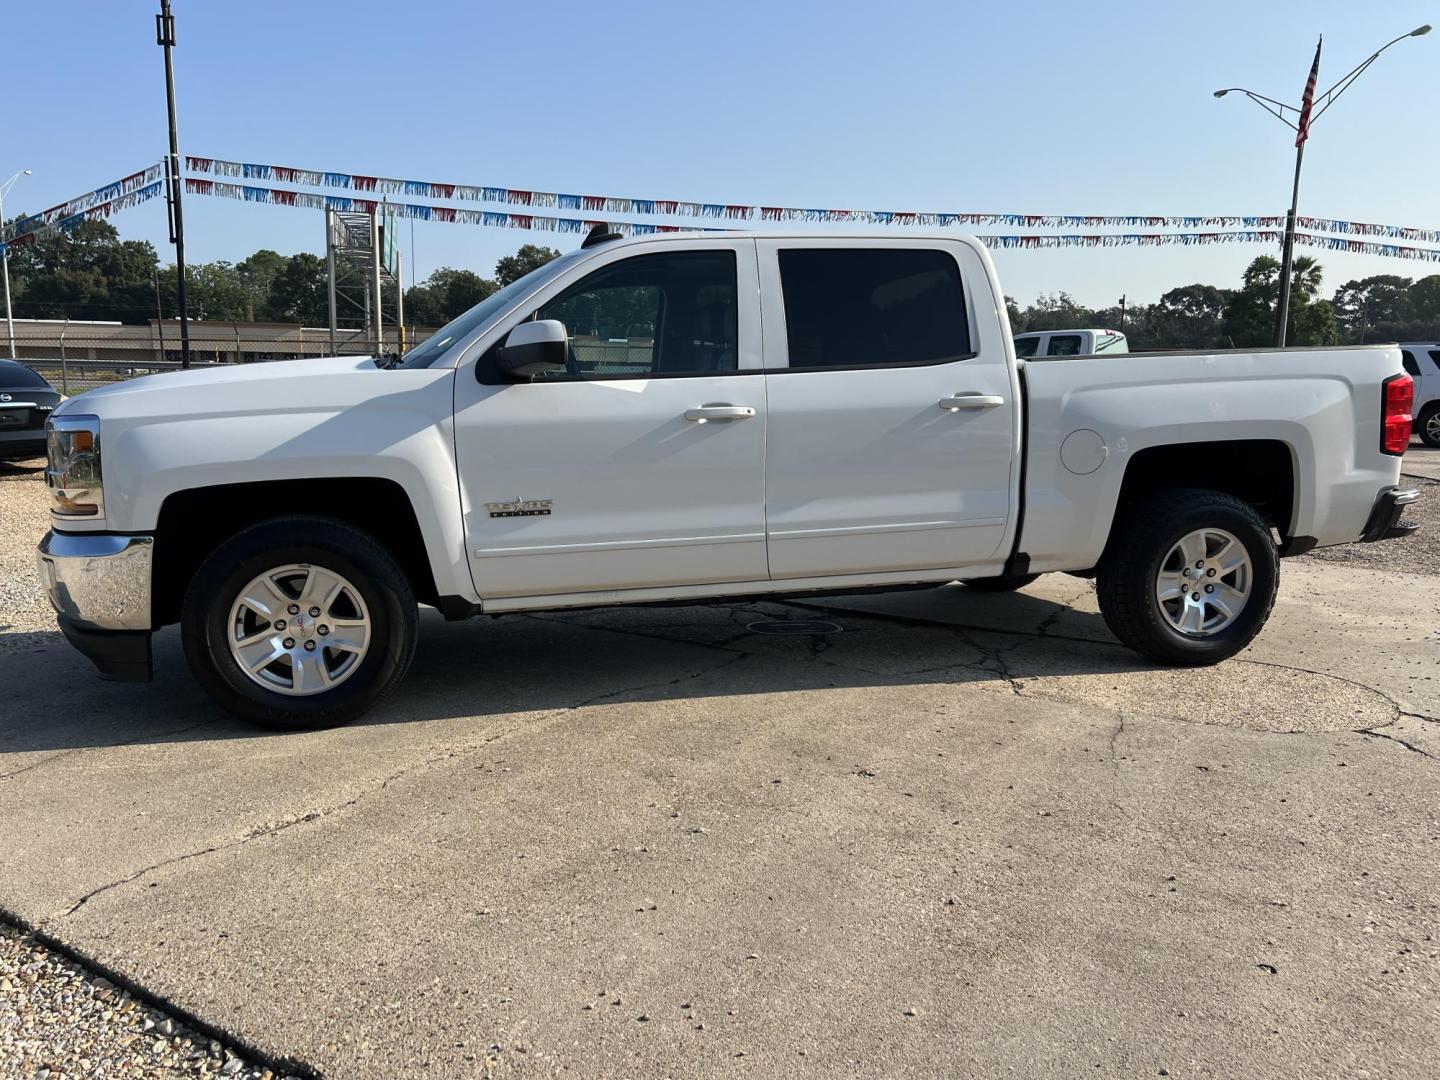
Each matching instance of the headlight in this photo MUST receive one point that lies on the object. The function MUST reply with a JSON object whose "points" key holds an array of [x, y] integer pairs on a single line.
{"points": [[73, 447]]}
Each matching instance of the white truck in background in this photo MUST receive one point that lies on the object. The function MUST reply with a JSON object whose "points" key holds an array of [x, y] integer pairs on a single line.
{"points": [[692, 417], [1041, 343]]}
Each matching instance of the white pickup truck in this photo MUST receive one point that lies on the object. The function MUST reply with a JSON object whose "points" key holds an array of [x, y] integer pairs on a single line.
{"points": [[691, 417]]}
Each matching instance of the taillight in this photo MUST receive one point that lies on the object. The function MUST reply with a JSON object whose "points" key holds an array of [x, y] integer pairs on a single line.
{"points": [[1397, 395]]}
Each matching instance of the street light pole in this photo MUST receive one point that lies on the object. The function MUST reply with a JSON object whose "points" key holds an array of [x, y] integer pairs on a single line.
{"points": [[1305, 119], [165, 38], [5, 259]]}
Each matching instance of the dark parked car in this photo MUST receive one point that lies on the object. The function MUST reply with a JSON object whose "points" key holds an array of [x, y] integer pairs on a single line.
{"points": [[26, 399]]}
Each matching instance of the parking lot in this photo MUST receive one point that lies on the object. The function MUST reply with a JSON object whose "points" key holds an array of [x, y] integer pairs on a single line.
{"points": [[965, 835]]}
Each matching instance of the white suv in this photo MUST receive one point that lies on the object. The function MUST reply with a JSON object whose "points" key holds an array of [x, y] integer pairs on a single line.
{"points": [[1422, 361]]}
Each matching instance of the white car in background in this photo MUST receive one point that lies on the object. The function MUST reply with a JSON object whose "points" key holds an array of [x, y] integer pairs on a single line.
{"points": [[1070, 343], [1422, 361]]}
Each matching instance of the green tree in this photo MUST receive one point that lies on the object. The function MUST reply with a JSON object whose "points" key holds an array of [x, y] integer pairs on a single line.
{"points": [[444, 295], [1423, 310], [299, 291], [256, 275], [1313, 323], [1365, 304], [529, 257], [87, 273], [1189, 317]]}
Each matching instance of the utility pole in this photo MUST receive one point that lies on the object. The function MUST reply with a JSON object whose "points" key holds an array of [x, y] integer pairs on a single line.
{"points": [[1122, 313], [165, 38]]}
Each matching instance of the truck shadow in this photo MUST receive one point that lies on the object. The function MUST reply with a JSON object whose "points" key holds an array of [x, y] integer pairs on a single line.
{"points": [[535, 664]]}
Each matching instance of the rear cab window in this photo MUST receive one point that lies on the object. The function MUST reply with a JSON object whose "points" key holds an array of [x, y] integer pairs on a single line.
{"points": [[872, 307]]}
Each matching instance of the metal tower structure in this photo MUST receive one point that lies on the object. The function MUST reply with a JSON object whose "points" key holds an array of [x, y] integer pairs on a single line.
{"points": [[362, 263]]}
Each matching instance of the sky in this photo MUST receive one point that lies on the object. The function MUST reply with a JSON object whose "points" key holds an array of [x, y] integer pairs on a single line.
{"points": [[945, 105]]}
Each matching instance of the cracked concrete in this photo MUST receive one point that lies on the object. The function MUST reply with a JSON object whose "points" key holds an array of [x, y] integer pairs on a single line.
{"points": [[978, 808]]}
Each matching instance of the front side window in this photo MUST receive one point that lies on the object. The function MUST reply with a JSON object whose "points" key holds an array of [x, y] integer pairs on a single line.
{"points": [[651, 315], [1064, 345], [1407, 361], [865, 307]]}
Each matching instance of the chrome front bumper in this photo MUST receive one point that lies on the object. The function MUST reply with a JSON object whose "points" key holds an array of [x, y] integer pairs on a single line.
{"points": [[98, 581]]}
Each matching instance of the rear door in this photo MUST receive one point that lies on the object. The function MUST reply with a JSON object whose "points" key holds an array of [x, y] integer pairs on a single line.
{"points": [[893, 408]]}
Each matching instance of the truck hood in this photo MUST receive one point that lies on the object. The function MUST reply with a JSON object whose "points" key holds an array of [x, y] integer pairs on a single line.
{"points": [[217, 379]]}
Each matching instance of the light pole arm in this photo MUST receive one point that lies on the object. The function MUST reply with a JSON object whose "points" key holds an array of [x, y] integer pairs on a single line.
{"points": [[1329, 97], [1275, 108]]}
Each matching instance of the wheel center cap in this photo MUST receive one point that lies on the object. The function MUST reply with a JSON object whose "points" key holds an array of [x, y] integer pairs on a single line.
{"points": [[301, 626]]}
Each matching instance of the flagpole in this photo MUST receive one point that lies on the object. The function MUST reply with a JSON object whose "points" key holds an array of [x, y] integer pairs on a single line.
{"points": [[1287, 258]]}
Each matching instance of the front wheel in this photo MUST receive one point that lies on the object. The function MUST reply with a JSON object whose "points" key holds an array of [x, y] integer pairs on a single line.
{"points": [[1189, 577], [299, 623]]}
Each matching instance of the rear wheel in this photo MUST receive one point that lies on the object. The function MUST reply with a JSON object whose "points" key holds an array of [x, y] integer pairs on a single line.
{"points": [[1002, 583], [1189, 578], [299, 623], [1428, 426]]}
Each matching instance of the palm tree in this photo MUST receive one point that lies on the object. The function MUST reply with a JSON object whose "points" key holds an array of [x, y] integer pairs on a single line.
{"points": [[1305, 277]]}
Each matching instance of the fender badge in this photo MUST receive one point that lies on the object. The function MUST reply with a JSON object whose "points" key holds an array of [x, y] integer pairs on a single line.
{"points": [[519, 508]]}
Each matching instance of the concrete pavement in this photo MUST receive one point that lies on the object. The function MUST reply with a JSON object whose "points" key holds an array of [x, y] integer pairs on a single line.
{"points": [[649, 842]]}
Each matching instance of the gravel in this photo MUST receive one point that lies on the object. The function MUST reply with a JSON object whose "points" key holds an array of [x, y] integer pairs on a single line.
{"points": [[24, 517], [1418, 554], [59, 1020]]}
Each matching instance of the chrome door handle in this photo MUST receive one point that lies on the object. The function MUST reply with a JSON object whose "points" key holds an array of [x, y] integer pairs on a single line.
{"points": [[705, 413], [957, 402]]}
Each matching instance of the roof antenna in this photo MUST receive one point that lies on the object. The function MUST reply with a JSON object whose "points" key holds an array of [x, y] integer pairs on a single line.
{"points": [[600, 234]]}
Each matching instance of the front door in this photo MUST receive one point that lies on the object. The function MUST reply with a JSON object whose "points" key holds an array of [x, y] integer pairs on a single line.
{"points": [[642, 464], [893, 412]]}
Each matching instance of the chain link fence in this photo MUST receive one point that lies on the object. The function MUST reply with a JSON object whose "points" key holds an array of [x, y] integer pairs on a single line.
{"points": [[74, 363]]}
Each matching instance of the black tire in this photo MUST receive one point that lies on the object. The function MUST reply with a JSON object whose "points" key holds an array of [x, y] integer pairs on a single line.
{"points": [[1143, 538], [1428, 425], [999, 584], [299, 540]]}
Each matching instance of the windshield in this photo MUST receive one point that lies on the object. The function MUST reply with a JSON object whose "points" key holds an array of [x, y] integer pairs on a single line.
{"points": [[457, 329]]}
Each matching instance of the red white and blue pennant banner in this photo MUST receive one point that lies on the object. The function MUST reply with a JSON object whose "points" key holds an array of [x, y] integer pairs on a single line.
{"points": [[547, 223], [68, 214], [609, 204], [100, 203]]}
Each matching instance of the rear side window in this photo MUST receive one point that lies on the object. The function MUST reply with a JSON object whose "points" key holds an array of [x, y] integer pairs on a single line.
{"points": [[1026, 346], [866, 307], [1407, 358], [1435, 358], [1064, 345]]}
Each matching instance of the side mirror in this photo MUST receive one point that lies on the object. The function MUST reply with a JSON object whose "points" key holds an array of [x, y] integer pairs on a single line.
{"points": [[534, 347]]}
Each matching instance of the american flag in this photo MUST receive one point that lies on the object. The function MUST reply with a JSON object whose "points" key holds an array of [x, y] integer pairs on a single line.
{"points": [[1302, 131]]}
